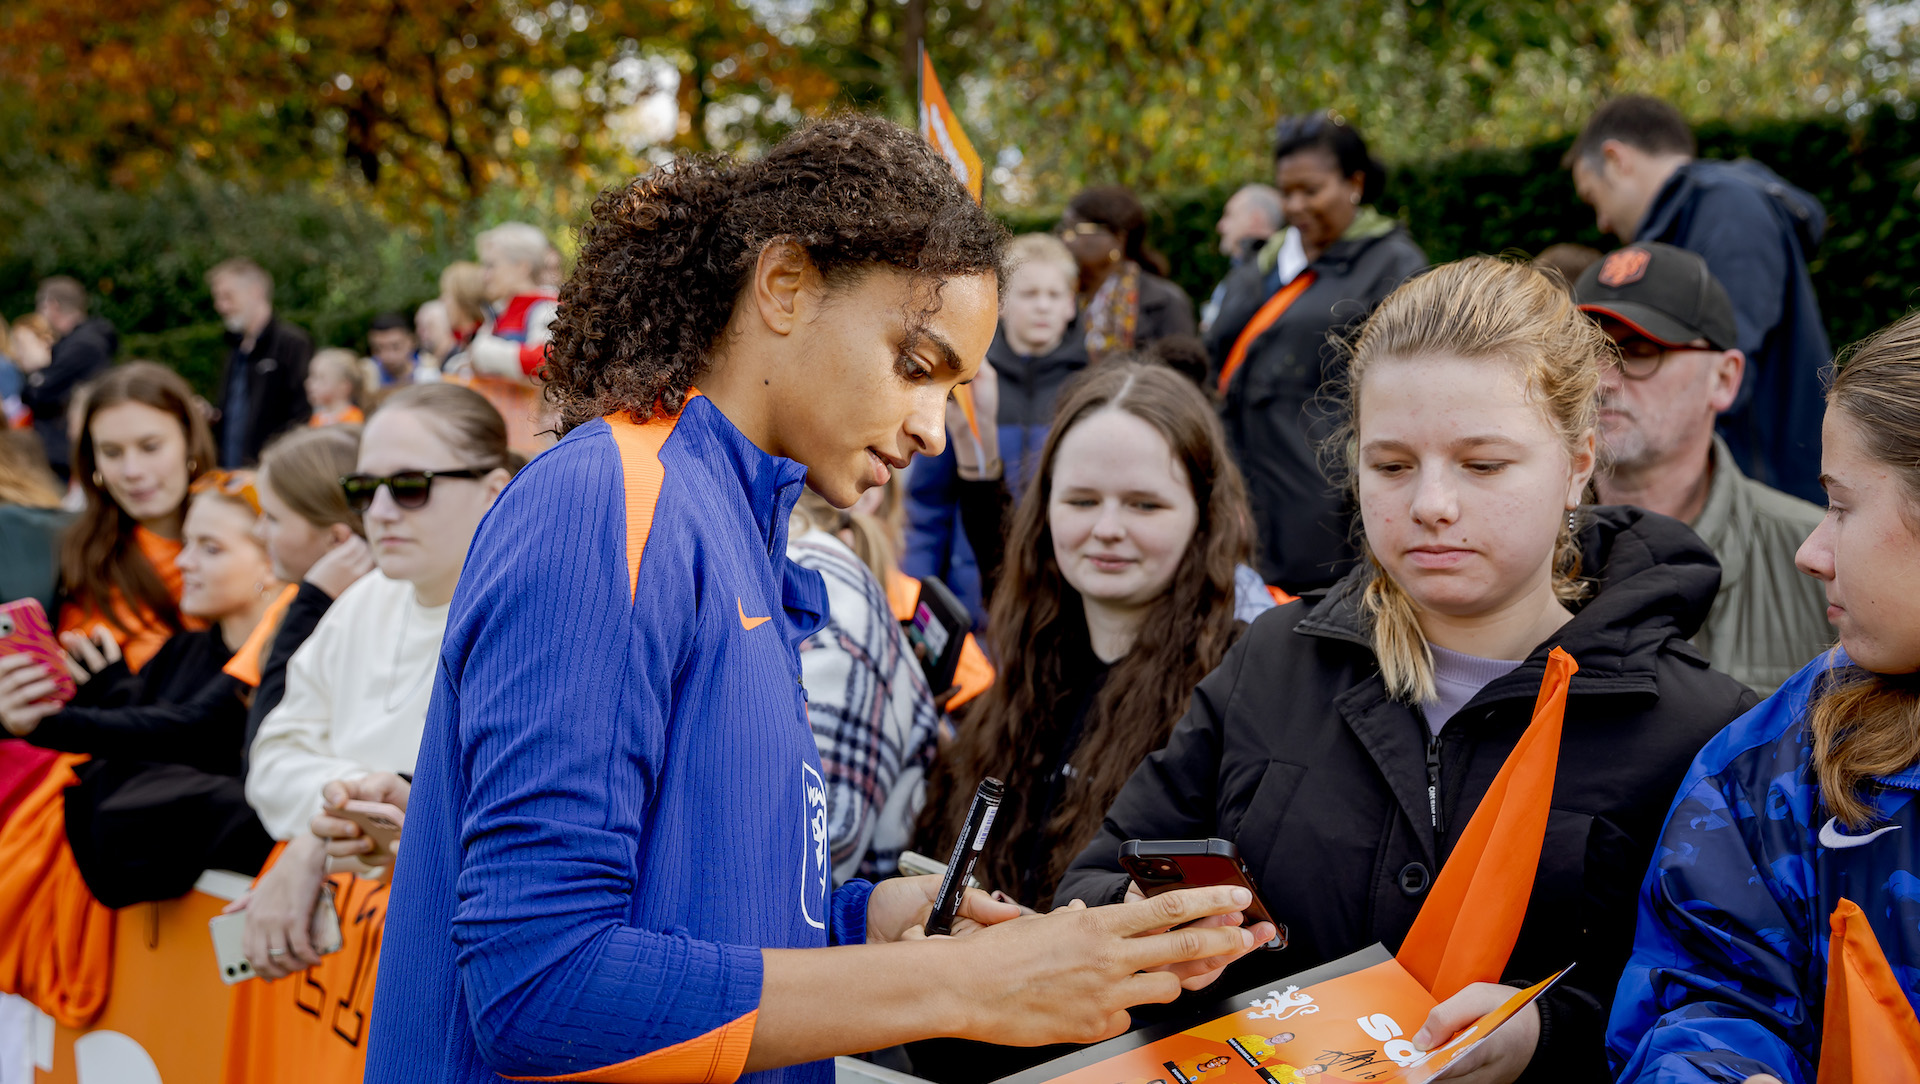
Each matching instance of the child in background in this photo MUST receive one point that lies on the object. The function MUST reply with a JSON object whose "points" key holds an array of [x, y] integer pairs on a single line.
{"points": [[333, 385], [1034, 353]]}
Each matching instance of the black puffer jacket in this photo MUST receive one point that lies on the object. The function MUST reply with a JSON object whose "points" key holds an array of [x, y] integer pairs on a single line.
{"points": [[1293, 750], [1270, 411]]}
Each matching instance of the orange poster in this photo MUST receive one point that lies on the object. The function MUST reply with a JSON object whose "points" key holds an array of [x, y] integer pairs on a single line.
{"points": [[1348, 1022]]}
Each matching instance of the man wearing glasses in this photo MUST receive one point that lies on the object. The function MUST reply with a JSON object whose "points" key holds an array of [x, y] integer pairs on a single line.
{"points": [[1678, 369]]}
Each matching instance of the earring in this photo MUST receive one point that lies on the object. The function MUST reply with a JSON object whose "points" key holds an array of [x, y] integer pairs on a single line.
{"points": [[99, 482], [1114, 255], [1356, 199], [193, 465], [1570, 525]]}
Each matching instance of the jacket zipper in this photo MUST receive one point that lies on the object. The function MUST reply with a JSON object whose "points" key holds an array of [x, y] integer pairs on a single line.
{"points": [[1433, 787]]}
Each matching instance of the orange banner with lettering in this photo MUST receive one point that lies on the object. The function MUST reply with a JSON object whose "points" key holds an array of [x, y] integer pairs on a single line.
{"points": [[311, 1028]]}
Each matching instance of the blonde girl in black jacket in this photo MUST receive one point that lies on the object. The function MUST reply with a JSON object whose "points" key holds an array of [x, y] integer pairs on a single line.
{"points": [[1317, 743]]}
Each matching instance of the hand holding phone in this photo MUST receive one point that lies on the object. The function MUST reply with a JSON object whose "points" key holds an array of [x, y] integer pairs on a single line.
{"points": [[34, 679], [1162, 865], [229, 932], [380, 822]]}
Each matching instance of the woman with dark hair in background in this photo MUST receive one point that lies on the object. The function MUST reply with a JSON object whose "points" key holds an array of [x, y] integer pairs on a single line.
{"points": [[1118, 585], [1272, 344], [139, 445], [1126, 301], [1115, 590]]}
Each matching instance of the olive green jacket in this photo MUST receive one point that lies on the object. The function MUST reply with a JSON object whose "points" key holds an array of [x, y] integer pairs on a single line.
{"points": [[1769, 619]]}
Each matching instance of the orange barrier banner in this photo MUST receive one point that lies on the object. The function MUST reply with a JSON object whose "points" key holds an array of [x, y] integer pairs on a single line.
{"points": [[56, 940], [311, 1028], [166, 1018]]}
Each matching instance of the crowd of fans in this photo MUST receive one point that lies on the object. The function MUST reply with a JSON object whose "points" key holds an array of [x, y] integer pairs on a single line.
{"points": [[1195, 543]]}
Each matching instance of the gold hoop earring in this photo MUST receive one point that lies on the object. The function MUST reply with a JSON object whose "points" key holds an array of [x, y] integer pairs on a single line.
{"points": [[192, 465], [1114, 255], [99, 482]]}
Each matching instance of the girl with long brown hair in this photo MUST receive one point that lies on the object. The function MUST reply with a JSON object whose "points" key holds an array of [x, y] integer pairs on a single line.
{"points": [[1345, 742], [1808, 800], [1116, 594], [138, 447]]}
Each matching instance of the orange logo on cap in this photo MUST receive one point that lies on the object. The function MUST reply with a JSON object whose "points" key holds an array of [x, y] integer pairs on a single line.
{"points": [[1623, 266]]}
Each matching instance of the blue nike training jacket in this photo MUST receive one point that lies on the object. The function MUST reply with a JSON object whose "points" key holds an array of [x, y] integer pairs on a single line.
{"points": [[1729, 968], [618, 801]]}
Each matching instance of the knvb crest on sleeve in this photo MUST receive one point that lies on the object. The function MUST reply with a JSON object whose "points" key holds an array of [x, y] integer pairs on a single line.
{"points": [[1624, 266]]}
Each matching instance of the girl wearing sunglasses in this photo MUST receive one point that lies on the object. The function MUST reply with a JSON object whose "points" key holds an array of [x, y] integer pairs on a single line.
{"points": [[431, 462]]}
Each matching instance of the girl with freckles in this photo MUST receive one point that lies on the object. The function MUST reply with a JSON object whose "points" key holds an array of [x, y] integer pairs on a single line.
{"points": [[1346, 740]]}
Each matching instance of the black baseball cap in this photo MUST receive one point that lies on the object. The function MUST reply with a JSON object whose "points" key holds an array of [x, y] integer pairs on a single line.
{"points": [[1662, 292]]}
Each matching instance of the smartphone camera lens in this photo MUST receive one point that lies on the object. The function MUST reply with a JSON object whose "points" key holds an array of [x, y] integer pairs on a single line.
{"points": [[6, 626]]}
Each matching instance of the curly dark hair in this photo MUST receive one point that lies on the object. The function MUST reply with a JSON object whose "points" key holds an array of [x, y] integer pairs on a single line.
{"points": [[665, 256]]}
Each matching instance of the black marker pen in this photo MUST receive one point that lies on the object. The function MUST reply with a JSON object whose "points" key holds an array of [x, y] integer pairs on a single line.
{"points": [[966, 851]]}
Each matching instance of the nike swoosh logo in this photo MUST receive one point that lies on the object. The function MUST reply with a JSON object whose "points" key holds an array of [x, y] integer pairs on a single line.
{"points": [[1832, 839], [749, 623]]}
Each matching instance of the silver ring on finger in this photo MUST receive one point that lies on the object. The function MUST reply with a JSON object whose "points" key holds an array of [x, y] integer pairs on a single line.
{"points": [[276, 952]]}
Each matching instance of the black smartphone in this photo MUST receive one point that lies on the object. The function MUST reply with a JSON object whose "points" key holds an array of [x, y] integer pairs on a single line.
{"points": [[1161, 865], [937, 632]]}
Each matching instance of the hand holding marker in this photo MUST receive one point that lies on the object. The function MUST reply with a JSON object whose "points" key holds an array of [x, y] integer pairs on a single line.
{"points": [[966, 851]]}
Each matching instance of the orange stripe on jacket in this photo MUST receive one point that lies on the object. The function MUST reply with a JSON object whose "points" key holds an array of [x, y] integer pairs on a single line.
{"points": [[718, 1057], [245, 665], [1276, 306], [640, 444]]}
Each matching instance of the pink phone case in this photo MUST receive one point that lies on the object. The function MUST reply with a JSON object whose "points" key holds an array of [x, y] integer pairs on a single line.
{"points": [[24, 631]]}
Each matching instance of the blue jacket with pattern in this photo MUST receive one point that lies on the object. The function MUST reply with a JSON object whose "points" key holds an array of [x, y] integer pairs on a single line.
{"points": [[1728, 974]]}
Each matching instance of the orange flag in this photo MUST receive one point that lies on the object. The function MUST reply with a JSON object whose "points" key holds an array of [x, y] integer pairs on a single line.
{"points": [[941, 128], [1869, 1035], [1467, 927]]}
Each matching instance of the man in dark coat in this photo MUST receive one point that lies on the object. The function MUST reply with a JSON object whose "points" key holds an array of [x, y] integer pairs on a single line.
{"points": [[1294, 751], [263, 387], [83, 349], [1634, 162]]}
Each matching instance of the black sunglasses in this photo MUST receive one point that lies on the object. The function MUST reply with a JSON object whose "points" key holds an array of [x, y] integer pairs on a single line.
{"points": [[409, 488]]}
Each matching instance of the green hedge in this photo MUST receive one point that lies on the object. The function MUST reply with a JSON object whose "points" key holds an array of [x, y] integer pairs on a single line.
{"points": [[1865, 272], [337, 262]]}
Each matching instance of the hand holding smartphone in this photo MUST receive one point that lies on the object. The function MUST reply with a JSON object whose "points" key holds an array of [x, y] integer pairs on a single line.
{"points": [[378, 821], [24, 630], [1162, 865], [229, 933]]}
